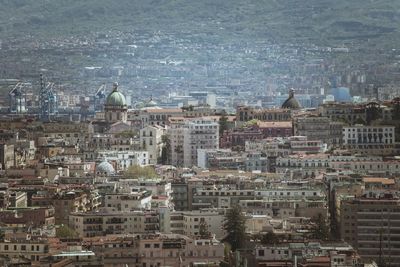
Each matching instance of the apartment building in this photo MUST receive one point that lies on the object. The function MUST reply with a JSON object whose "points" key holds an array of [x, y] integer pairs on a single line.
{"points": [[188, 135], [151, 141], [371, 224]]}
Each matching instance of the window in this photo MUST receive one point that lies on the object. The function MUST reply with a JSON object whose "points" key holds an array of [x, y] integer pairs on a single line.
{"points": [[147, 245], [261, 252]]}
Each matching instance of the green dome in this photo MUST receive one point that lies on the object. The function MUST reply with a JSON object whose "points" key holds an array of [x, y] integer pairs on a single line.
{"points": [[116, 98]]}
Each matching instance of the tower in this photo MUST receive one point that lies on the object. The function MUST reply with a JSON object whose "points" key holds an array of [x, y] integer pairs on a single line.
{"points": [[47, 101], [115, 107]]}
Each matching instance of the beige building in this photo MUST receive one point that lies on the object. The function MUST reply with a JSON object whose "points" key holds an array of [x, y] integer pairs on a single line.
{"points": [[179, 250], [188, 222], [318, 128], [151, 141], [105, 222], [33, 250], [372, 226], [244, 114]]}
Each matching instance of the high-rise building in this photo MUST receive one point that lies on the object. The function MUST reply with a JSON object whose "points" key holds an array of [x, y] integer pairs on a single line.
{"points": [[188, 135], [371, 224]]}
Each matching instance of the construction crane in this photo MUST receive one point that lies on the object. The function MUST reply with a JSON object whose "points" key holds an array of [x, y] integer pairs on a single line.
{"points": [[48, 107], [100, 98], [17, 98]]}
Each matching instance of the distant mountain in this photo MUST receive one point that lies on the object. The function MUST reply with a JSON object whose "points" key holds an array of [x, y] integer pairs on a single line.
{"points": [[316, 20]]}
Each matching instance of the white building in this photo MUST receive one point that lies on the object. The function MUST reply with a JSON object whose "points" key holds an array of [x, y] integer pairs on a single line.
{"points": [[188, 135], [375, 140], [124, 159]]}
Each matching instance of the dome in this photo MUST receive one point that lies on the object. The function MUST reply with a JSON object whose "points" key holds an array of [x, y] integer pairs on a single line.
{"points": [[105, 168], [291, 102], [116, 98]]}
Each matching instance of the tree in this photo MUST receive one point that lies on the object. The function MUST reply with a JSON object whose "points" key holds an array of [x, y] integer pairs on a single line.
{"points": [[166, 150], [235, 228], [373, 112], [223, 124], [66, 232], [2, 235], [136, 172], [269, 238], [320, 229], [179, 152], [204, 233], [396, 109]]}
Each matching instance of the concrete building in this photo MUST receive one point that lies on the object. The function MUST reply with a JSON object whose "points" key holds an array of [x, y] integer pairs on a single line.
{"points": [[318, 128], [122, 160], [179, 250], [34, 250], [377, 140], [338, 254], [244, 114], [151, 141], [105, 222], [188, 222], [128, 201], [7, 156], [371, 225], [188, 135]]}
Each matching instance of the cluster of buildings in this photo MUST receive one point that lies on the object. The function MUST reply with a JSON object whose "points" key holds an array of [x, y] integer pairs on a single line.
{"points": [[153, 186]]}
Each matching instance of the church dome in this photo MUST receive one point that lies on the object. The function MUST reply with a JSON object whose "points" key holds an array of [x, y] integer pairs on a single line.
{"points": [[105, 168], [291, 102], [116, 98]]}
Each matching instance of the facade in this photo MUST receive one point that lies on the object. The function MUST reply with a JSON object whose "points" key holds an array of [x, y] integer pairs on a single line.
{"points": [[66, 203], [106, 222], [371, 225], [338, 254], [189, 222], [318, 128], [34, 250], [122, 160], [378, 140], [179, 250], [7, 156], [28, 217], [189, 135], [244, 114], [128, 202], [259, 130], [151, 141]]}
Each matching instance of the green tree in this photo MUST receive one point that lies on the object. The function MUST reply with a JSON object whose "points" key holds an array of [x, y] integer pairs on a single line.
{"points": [[269, 238], [64, 231], [166, 150], [373, 112], [136, 172], [321, 228], [235, 228]]}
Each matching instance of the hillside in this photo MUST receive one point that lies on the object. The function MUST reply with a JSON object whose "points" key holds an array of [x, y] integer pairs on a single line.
{"points": [[320, 21]]}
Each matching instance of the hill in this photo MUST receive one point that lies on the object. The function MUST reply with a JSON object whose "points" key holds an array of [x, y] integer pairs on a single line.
{"points": [[320, 21]]}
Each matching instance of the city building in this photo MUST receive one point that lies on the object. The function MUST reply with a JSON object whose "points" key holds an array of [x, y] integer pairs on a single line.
{"points": [[189, 135]]}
